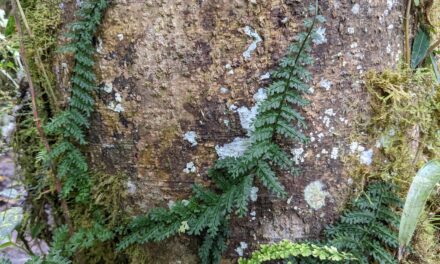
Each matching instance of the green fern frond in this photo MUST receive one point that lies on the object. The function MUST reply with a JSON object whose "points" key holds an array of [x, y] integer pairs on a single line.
{"points": [[368, 230]]}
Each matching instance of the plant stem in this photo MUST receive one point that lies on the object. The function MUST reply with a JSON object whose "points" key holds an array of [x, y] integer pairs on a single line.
{"points": [[407, 45], [58, 185]]}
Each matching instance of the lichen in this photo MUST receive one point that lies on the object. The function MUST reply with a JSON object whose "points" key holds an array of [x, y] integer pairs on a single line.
{"points": [[315, 195], [256, 39], [191, 137]]}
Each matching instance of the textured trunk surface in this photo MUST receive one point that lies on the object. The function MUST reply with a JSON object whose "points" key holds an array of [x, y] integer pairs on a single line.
{"points": [[168, 67]]}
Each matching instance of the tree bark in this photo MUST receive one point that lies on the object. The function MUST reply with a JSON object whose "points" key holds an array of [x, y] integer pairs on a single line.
{"points": [[171, 67]]}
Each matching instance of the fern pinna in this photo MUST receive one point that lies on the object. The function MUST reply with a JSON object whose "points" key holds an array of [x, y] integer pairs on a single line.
{"points": [[69, 126], [207, 212], [369, 229]]}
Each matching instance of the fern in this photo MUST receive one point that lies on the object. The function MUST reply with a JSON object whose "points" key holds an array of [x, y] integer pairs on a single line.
{"points": [[306, 253], [70, 125], [207, 211], [368, 230]]}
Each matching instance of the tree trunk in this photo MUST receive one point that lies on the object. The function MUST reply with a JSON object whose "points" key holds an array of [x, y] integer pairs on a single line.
{"points": [[172, 70]]}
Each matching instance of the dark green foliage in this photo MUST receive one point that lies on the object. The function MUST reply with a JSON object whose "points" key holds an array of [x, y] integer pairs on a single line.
{"points": [[296, 253], [207, 211], [419, 48], [70, 125], [369, 229]]}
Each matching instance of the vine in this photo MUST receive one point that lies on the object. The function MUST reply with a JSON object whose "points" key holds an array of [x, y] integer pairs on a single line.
{"points": [[208, 211]]}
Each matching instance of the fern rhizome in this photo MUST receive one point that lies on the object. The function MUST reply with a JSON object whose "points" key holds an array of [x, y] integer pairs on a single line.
{"points": [[208, 211], [369, 229]]}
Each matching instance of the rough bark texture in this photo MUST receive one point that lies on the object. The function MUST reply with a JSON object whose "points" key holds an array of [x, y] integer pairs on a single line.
{"points": [[162, 65]]}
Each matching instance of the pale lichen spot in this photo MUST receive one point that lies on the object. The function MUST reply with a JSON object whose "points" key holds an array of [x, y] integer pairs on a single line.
{"points": [[240, 249], [224, 90], [326, 84], [229, 69], [265, 76], [190, 168], [355, 9], [254, 194], [298, 155], [234, 149], [334, 153], [256, 39], [315, 195], [108, 87], [191, 137], [319, 36], [120, 36], [366, 157], [350, 30]]}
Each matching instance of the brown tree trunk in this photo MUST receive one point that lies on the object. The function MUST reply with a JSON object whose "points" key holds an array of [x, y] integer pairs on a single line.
{"points": [[171, 67]]}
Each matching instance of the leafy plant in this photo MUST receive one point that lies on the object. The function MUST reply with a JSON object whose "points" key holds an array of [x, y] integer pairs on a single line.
{"points": [[421, 187], [69, 126], [368, 229], [306, 253], [207, 212]]}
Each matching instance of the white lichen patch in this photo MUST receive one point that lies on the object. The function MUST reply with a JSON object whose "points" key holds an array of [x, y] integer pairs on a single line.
{"points": [[131, 187], [325, 84], [254, 194], [356, 147], [191, 137], [240, 249], [116, 107], [229, 68], [350, 30], [355, 9], [234, 149], [366, 157], [389, 48], [99, 47], [253, 34], [319, 36], [190, 168], [334, 153], [390, 4], [314, 195], [120, 36], [326, 121], [298, 155], [108, 87], [247, 115], [330, 112], [253, 215], [224, 90], [265, 76]]}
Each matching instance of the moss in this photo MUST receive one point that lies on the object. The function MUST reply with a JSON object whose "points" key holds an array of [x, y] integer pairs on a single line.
{"points": [[404, 128], [403, 125], [426, 243]]}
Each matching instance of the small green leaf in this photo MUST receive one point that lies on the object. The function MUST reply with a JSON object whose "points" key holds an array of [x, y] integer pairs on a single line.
{"points": [[10, 26], [6, 244], [416, 2], [421, 187], [420, 48], [434, 63]]}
